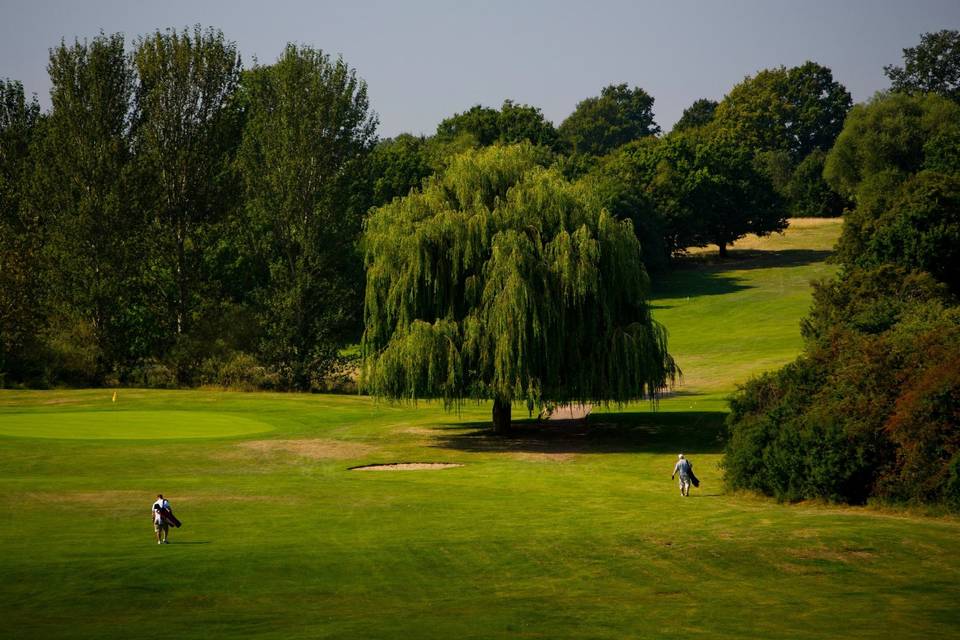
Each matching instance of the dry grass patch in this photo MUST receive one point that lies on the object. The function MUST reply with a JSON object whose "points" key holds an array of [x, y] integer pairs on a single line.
{"points": [[417, 431], [139, 500], [843, 554], [312, 448], [813, 223], [534, 456], [88, 499]]}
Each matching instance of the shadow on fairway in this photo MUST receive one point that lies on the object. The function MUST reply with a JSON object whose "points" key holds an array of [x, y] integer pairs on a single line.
{"points": [[696, 276], [693, 283], [743, 259], [191, 542], [692, 432]]}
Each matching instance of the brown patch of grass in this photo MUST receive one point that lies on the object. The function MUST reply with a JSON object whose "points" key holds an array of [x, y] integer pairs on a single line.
{"points": [[798, 569], [843, 554], [417, 431], [535, 456], [830, 226], [140, 500], [312, 448], [88, 499], [812, 223]]}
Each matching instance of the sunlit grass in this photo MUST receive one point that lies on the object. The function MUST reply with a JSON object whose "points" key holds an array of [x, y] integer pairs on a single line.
{"points": [[564, 531]]}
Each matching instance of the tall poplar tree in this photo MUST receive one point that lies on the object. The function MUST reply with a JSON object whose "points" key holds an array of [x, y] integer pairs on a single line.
{"points": [[82, 193], [499, 280], [308, 131], [185, 137], [20, 317]]}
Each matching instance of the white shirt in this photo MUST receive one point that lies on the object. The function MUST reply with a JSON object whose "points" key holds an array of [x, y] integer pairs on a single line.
{"points": [[161, 503]]}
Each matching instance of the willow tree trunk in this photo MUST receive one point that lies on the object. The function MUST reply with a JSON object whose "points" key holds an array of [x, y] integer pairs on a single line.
{"points": [[501, 415]]}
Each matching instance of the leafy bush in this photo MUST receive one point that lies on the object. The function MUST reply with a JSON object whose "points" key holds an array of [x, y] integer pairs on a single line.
{"points": [[237, 371], [808, 194], [921, 228], [154, 375], [924, 427], [870, 410], [72, 352]]}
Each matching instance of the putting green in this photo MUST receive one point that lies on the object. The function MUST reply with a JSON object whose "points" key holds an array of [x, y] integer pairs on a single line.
{"points": [[128, 425]]}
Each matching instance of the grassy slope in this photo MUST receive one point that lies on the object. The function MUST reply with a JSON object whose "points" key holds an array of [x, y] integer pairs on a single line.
{"points": [[554, 533], [730, 320]]}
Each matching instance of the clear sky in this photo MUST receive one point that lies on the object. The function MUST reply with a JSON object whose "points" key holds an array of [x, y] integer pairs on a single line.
{"points": [[427, 59]]}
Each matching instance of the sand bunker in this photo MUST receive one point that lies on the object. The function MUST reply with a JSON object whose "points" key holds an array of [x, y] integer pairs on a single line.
{"points": [[406, 466]]}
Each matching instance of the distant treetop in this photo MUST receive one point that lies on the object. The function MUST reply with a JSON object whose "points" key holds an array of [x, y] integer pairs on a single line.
{"points": [[511, 124], [617, 116], [796, 110], [698, 114], [933, 66]]}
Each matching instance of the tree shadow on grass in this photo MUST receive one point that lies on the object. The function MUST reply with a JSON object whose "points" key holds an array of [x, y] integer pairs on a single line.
{"points": [[692, 432], [741, 259], [695, 276], [746, 259], [694, 283]]}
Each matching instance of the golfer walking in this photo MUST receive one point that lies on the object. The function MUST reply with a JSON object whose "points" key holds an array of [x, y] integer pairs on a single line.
{"points": [[160, 525], [685, 469]]}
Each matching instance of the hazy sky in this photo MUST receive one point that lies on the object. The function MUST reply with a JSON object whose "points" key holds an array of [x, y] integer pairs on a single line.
{"points": [[425, 60]]}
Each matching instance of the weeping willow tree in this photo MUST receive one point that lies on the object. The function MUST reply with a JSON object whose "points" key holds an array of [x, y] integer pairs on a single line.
{"points": [[500, 280]]}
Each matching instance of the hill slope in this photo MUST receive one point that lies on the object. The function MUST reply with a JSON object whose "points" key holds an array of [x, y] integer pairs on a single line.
{"points": [[733, 319]]}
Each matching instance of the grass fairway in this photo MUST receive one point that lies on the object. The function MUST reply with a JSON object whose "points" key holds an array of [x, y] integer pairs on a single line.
{"points": [[557, 532]]}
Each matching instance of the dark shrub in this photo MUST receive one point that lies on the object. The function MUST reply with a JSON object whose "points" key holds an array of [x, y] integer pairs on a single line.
{"points": [[871, 410]]}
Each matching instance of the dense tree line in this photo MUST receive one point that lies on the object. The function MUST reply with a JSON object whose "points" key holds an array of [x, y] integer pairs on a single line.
{"points": [[177, 219], [872, 407]]}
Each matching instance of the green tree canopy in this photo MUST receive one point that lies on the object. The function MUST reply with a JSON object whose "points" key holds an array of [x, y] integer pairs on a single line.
{"points": [[307, 136], [185, 137], [699, 114], [398, 165], [933, 66], [499, 281], [512, 123], [797, 110], [617, 116], [619, 182], [869, 409], [706, 188], [920, 229], [808, 193], [893, 134], [20, 282], [83, 192]]}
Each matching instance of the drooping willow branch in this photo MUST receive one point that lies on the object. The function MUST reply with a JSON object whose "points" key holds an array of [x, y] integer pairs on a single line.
{"points": [[499, 280]]}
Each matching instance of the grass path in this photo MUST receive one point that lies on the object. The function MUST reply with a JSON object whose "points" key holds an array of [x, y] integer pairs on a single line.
{"points": [[559, 532]]}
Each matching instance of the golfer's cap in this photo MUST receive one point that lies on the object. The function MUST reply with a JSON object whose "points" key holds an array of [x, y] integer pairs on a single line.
{"points": [[681, 456]]}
